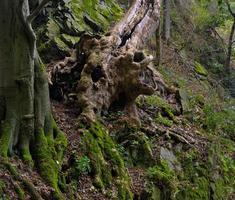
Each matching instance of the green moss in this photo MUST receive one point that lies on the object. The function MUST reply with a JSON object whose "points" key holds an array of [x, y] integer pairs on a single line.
{"points": [[220, 121], [20, 192], [200, 69], [202, 177], [61, 45], [161, 103], [31, 189], [26, 156], [47, 166], [164, 177], [198, 190], [48, 155], [5, 134], [101, 14], [163, 120], [12, 169], [162, 173], [70, 40], [107, 165]]}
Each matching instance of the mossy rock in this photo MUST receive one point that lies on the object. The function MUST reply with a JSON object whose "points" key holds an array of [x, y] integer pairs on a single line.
{"points": [[59, 34], [164, 179], [136, 147], [156, 101], [151, 192]]}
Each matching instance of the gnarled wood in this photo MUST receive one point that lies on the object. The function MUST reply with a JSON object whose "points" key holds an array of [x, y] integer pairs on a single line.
{"points": [[116, 70], [113, 69]]}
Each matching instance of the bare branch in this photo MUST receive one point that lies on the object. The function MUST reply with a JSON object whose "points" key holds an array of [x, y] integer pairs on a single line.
{"points": [[37, 10]]}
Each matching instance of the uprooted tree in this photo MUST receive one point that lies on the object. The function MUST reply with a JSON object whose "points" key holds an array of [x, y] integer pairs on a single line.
{"points": [[114, 68], [115, 71]]}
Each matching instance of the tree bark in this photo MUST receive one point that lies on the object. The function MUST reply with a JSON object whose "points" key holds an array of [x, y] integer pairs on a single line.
{"points": [[27, 126]]}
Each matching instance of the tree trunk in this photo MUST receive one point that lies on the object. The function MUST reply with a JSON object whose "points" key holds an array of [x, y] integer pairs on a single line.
{"points": [[166, 20], [158, 46], [113, 69], [27, 126], [116, 70]]}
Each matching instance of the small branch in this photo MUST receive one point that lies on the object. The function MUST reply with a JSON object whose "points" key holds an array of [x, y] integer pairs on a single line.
{"points": [[37, 10], [230, 9]]}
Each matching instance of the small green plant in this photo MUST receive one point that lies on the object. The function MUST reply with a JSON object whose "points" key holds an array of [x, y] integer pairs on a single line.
{"points": [[121, 149], [201, 17], [161, 172], [82, 166]]}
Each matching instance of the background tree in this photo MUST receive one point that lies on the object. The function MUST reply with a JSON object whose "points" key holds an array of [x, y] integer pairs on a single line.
{"points": [[231, 41], [166, 20]]}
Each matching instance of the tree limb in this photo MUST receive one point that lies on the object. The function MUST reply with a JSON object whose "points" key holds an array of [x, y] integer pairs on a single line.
{"points": [[37, 10]]}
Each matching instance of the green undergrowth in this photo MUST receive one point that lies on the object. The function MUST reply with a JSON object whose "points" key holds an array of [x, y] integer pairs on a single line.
{"points": [[107, 165], [212, 177], [220, 120], [200, 176]]}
